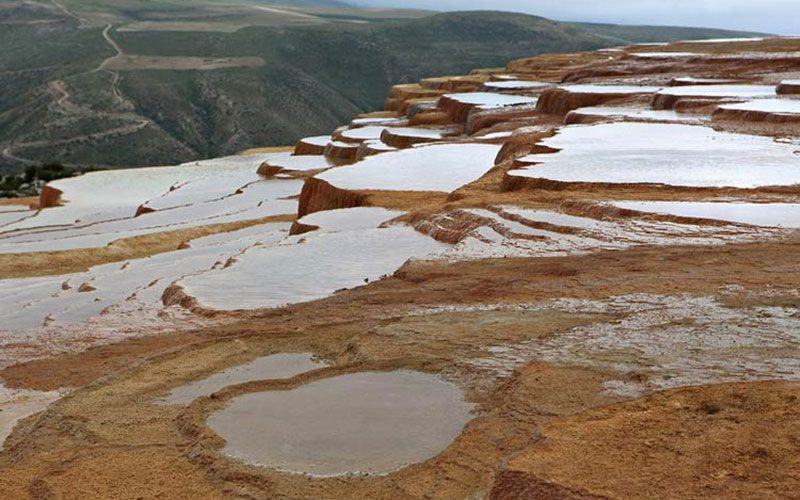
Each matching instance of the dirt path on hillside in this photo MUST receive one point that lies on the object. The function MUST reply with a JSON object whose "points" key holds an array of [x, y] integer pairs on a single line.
{"points": [[288, 13], [119, 52], [63, 100], [66, 11]]}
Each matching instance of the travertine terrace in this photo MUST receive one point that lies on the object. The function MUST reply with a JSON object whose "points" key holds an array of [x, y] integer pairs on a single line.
{"points": [[572, 277]]}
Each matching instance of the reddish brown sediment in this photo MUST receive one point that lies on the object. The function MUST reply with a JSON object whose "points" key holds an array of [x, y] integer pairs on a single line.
{"points": [[50, 197], [400, 94], [557, 101], [143, 209], [435, 117], [630, 437], [318, 195], [398, 139], [480, 119], [306, 148], [267, 170], [341, 152], [516, 485], [298, 228], [786, 88], [457, 111], [743, 115], [466, 83]]}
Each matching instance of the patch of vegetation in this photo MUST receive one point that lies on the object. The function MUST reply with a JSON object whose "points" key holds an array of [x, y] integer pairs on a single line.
{"points": [[33, 177]]}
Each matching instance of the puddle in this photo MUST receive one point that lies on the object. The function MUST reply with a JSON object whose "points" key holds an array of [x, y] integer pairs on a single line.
{"points": [[17, 405], [362, 423], [277, 366]]}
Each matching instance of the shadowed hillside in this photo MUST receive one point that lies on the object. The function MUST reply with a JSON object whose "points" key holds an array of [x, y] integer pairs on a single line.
{"points": [[129, 83]]}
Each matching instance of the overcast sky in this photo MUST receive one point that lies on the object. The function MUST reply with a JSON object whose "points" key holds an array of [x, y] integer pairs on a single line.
{"points": [[773, 16]]}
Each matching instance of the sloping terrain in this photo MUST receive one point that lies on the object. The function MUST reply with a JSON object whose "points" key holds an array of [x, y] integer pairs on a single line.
{"points": [[133, 83], [571, 277]]}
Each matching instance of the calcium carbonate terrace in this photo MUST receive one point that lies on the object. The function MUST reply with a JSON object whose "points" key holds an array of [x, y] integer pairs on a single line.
{"points": [[515, 85], [704, 81], [427, 133], [301, 163], [609, 89], [441, 167], [364, 133], [721, 91], [490, 100], [112, 194], [349, 219], [135, 285], [771, 106], [308, 267], [215, 201], [666, 55], [725, 40], [362, 122], [638, 114], [677, 155], [785, 215]]}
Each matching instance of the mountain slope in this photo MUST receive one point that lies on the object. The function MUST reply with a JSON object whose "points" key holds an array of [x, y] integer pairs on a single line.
{"points": [[161, 87]]}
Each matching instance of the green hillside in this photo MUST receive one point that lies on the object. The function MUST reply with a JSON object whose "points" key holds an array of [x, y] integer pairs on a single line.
{"points": [[197, 80]]}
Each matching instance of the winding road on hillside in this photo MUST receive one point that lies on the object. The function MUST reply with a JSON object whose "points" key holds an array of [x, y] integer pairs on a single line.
{"points": [[60, 92], [113, 44], [66, 11]]}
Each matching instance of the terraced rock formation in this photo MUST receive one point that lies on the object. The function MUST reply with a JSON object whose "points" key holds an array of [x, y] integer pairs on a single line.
{"points": [[572, 277]]}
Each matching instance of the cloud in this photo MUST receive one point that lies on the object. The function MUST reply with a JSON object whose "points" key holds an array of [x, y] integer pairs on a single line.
{"points": [[774, 16]]}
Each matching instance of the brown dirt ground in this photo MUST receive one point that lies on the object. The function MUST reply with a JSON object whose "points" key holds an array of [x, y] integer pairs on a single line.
{"points": [[19, 201], [365, 328], [727, 441]]}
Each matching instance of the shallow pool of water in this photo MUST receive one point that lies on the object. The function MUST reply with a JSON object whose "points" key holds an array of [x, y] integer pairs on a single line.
{"points": [[361, 423], [677, 155], [276, 366], [757, 214]]}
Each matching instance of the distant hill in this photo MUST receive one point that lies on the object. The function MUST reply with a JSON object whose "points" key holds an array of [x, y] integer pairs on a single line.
{"points": [[204, 81], [645, 34]]}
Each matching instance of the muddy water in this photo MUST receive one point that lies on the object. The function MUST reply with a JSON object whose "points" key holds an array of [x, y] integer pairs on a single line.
{"points": [[371, 422], [16, 405], [269, 367]]}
